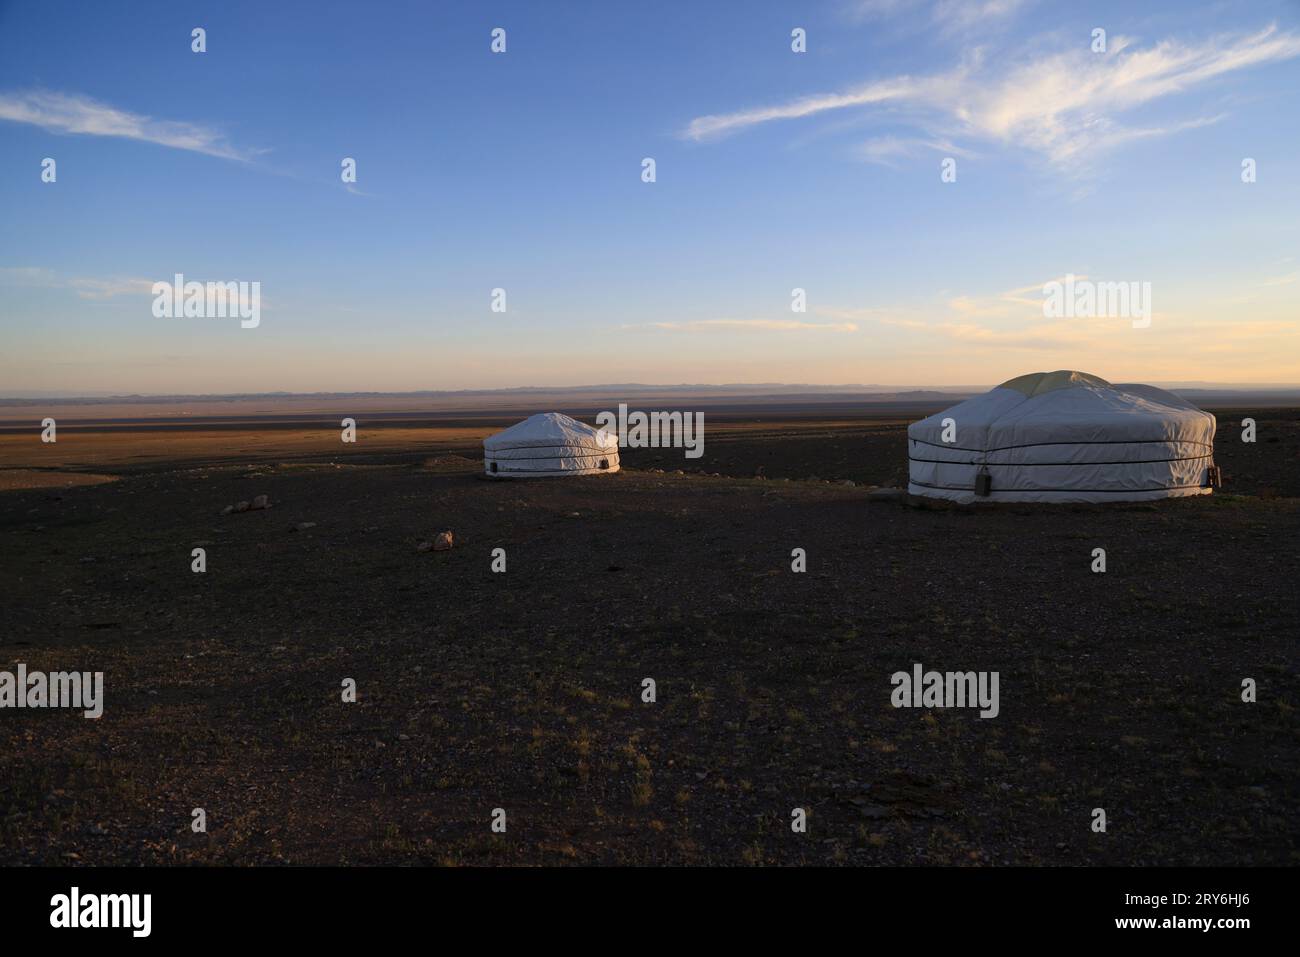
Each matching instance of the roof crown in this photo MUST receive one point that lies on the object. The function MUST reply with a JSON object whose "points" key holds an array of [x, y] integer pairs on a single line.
{"points": [[1036, 383]]}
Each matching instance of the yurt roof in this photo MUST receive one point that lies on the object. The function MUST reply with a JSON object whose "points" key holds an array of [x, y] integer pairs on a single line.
{"points": [[547, 429], [1066, 406]]}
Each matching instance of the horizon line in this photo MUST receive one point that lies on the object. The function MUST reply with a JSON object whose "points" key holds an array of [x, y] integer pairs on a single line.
{"points": [[27, 396]]}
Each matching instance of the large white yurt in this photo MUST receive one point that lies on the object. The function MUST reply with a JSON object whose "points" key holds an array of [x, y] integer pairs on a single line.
{"points": [[1063, 437], [549, 443]]}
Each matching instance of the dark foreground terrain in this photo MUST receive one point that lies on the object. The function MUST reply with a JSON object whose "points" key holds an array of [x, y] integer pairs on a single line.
{"points": [[522, 690]]}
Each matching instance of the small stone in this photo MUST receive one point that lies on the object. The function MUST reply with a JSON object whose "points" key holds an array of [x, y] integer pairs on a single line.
{"points": [[260, 502], [303, 526], [241, 507], [227, 510], [424, 547], [443, 541]]}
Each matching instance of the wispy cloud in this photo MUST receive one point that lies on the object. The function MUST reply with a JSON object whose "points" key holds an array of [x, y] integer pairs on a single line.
{"points": [[954, 15], [1062, 107], [885, 316], [1021, 303], [860, 10], [1009, 326], [949, 14], [902, 89], [86, 287], [1037, 338], [111, 288], [27, 276], [966, 318], [766, 325], [78, 114], [887, 150]]}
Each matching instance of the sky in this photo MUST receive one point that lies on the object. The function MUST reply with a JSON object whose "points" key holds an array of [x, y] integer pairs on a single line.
{"points": [[774, 170]]}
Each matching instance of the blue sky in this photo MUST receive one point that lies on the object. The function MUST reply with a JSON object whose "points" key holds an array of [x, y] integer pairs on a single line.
{"points": [[522, 170]]}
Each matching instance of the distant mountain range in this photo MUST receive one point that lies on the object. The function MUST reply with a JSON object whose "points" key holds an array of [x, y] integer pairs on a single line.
{"points": [[872, 392]]}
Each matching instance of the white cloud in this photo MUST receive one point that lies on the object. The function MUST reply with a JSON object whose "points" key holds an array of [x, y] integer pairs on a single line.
{"points": [[1061, 106], [74, 113]]}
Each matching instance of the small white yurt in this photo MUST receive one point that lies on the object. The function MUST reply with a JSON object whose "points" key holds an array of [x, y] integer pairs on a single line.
{"points": [[549, 443], [1063, 437]]}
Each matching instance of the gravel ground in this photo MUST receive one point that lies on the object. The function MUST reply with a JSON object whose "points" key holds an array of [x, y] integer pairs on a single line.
{"points": [[522, 690]]}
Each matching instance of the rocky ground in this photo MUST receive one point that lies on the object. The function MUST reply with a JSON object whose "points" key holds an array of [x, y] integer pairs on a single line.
{"points": [[522, 690]]}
